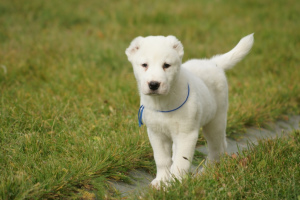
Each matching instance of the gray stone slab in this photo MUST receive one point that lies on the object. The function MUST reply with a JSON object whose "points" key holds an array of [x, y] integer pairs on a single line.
{"points": [[139, 179], [295, 121], [284, 126], [233, 146], [202, 149], [253, 135]]}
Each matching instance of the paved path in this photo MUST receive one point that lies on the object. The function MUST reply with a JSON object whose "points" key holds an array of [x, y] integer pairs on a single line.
{"points": [[141, 179]]}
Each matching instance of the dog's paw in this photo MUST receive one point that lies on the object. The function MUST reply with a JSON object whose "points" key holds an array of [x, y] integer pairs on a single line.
{"points": [[159, 183], [156, 183]]}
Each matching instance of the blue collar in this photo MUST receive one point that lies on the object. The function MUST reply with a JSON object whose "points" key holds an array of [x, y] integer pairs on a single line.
{"points": [[140, 114]]}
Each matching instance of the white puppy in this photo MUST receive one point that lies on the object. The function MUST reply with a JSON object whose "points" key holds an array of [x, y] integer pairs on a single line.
{"points": [[177, 99]]}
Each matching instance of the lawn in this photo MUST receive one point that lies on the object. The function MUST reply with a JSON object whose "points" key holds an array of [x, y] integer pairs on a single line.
{"points": [[68, 97]]}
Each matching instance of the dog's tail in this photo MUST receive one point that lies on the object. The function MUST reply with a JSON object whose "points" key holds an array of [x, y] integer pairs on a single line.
{"points": [[229, 59]]}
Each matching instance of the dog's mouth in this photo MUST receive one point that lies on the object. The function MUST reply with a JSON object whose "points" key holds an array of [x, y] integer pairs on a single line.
{"points": [[153, 93]]}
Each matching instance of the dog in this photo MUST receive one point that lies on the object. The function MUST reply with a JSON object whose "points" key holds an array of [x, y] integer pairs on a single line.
{"points": [[178, 99]]}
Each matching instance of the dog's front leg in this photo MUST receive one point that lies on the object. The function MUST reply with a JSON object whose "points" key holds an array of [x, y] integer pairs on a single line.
{"points": [[162, 149], [185, 144]]}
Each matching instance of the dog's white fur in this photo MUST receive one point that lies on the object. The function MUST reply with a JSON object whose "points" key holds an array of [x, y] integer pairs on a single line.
{"points": [[177, 132]]}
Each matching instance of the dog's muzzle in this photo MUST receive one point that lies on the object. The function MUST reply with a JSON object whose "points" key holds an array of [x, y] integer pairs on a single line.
{"points": [[154, 85]]}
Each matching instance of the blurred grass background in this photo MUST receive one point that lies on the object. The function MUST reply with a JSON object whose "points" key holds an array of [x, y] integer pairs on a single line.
{"points": [[68, 98]]}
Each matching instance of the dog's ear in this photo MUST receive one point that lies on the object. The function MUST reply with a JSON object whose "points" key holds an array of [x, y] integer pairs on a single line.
{"points": [[133, 47], [176, 44]]}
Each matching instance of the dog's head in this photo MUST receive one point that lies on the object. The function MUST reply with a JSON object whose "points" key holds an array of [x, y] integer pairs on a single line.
{"points": [[156, 62]]}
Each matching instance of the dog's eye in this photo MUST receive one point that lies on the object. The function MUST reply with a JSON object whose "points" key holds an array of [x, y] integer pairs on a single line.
{"points": [[166, 65], [144, 65]]}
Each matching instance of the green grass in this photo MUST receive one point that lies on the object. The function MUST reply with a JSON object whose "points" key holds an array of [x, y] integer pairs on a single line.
{"points": [[68, 98], [269, 170]]}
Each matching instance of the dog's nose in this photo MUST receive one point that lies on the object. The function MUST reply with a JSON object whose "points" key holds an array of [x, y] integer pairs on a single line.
{"points": [[154, 85]]}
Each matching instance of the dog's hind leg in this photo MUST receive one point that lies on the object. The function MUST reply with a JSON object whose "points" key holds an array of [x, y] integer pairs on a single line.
{"points": [[215, 135]]}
